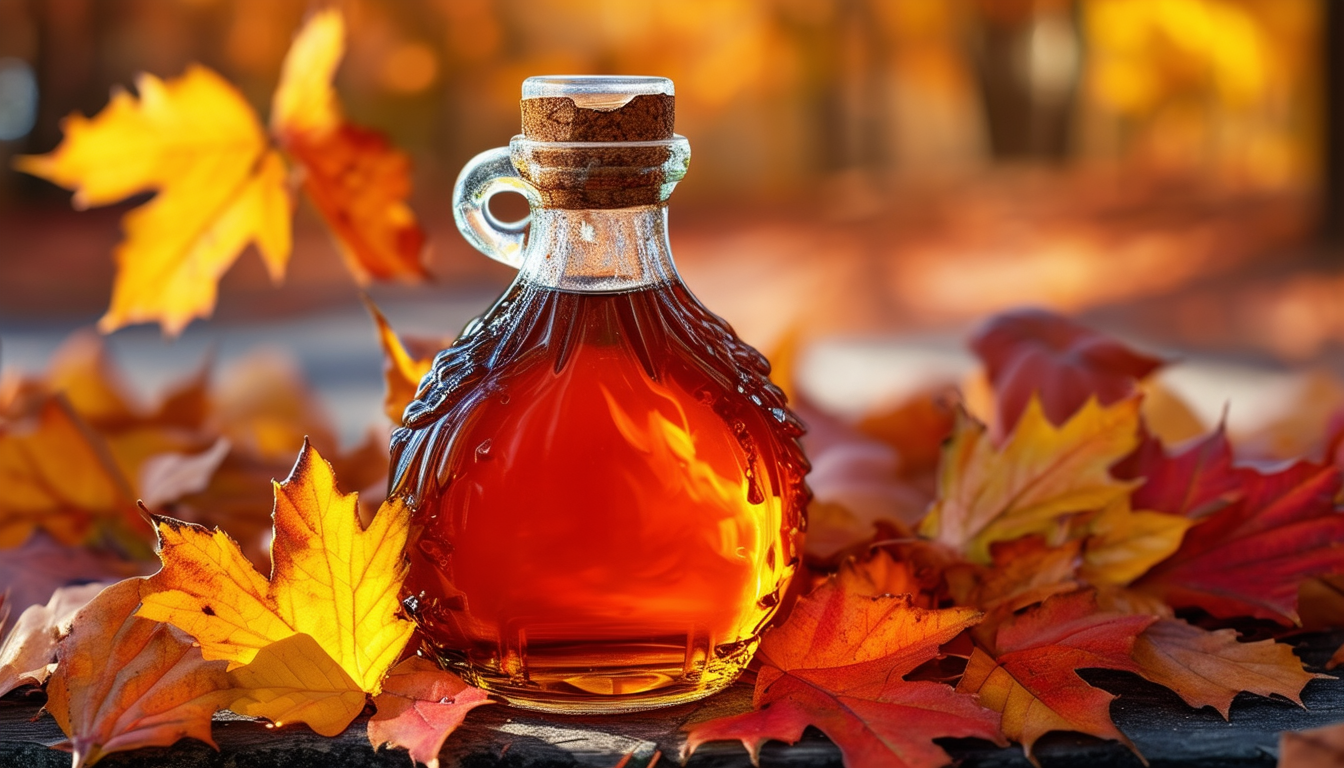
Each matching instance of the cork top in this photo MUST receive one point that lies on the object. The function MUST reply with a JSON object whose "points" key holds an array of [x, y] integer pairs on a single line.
{"points": [[598, 108]]}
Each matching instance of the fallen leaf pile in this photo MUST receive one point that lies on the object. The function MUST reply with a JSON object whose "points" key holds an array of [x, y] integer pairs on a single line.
{"points": [[222, 182]]}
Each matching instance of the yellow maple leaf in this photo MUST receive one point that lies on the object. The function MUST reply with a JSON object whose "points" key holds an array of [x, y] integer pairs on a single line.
{"points": [[195, 141], [294, 680], [1040, 475], [1123, 544], [332, 580]]}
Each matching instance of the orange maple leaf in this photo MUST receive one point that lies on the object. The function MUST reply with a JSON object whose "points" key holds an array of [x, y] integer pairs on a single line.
{"points": [[1030, 674], [838, 664], [357, 180], [420, 707], [122, 682], [307, 644]]}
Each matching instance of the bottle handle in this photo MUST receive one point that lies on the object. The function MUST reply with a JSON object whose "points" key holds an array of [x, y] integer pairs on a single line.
{"points": [[483, 177]]}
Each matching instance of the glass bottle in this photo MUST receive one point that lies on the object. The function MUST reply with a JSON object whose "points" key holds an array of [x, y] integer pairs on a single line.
{"points": [[608, 491]]}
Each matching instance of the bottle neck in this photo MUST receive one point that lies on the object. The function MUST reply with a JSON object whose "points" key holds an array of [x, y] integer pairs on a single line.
{"points": [[598, 250]]}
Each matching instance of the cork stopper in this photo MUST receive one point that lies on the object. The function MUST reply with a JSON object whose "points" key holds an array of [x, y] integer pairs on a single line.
{"points": [[599, 141], [580, 108]]}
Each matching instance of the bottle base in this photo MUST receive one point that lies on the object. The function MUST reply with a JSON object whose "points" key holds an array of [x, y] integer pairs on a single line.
{"points": [[607, 679]]}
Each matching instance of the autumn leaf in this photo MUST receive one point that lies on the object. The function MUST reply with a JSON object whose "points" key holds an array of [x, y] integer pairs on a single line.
{"points": [[1312, 749], [122, 682], [295, 680], [32, 572], [30, 646], [1030, 675], [333, 580], [38, 455], [420, 707], [357, 180], [1248, 558], [1196, 480], [1034, 353], [838, 663], [220, 187], [1208, 669], [1123, 544], [1034, 481], [1022, 572], [405, 363]]}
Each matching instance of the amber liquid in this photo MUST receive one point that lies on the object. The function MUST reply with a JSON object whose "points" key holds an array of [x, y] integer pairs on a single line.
{"points": [[608, 499]]}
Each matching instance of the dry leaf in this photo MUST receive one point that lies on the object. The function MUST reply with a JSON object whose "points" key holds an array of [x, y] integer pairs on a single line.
{"points": [[420, 707], [357, 180], [37, 458], [1208, 669], [30, 646], [32, 572], [1033, 354], [1316, 748], [1029, 485], [1030, 675], [123, 683], [332, 579], [838, 664], [1249, 558]]}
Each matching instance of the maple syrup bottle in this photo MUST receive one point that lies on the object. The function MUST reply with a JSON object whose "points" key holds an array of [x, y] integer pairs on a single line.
{"points": [[608, 491]]}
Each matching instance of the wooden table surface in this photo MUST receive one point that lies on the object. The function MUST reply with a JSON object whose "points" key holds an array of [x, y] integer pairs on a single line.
{"points": [[1167, 731]]}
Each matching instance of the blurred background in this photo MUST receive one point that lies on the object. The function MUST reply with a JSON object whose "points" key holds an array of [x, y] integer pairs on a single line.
{"points": [[874, 175]]}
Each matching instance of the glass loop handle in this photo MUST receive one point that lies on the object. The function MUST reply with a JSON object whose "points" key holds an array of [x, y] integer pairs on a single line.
{"points": [[483, 177]]}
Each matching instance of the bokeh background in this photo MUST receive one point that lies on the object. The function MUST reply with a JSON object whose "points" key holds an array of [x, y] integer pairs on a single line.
{"points": [[874, 176]]}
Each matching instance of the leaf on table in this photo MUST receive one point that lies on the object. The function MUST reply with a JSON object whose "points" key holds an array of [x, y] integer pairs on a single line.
{"points": [[32, 572], [1249, 558], [405, 363], [357, 180], [38, 456], [123, 683], [1035, 354], [333, 579], [1030, 675], [1034, 481], [30, 646], [295, 680], [838, 664], [1208, 669], [195, 142], [1312, 749], [1196, 480], [420, 707], [1123, 544]]}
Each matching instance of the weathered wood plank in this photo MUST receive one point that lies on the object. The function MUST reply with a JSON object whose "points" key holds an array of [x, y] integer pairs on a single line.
{"points": [[1161, 726]]}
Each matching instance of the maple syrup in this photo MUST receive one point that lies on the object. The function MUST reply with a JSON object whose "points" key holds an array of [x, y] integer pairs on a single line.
{"points": [[607, 489]]}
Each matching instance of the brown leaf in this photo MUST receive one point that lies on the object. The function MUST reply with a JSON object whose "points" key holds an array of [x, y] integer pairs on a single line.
{"points": [[1208, 669], [420, 707], [122, 683], [1316, 748], [30, 647]]}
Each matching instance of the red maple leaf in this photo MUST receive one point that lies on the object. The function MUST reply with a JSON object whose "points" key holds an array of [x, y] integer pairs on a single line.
{"points": [[1030, 675], [1033, 351], [1192, 482], [1248, 558], [839, 664]]}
